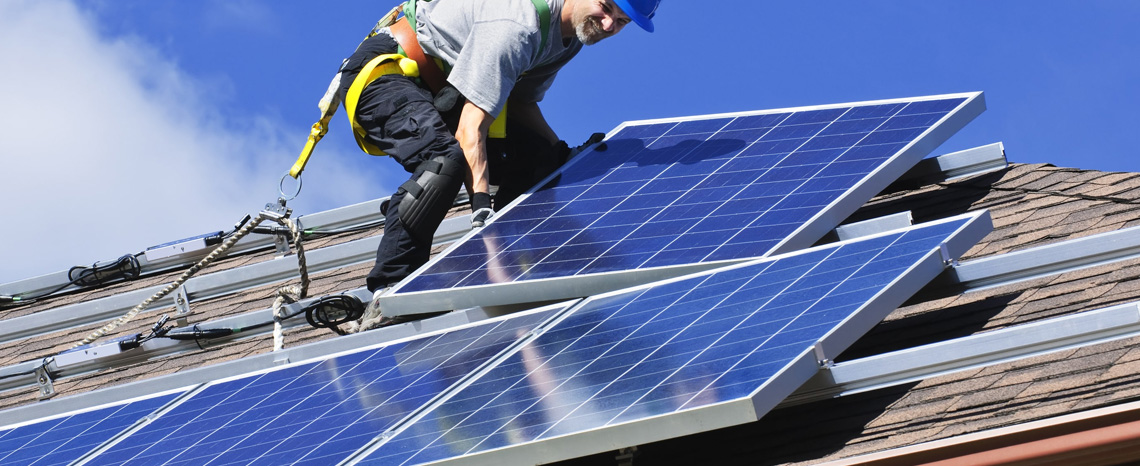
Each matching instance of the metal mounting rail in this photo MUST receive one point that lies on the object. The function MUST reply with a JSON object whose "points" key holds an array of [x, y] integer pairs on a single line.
{"points": [[969, 162], [975, 351], [316, 350], [964, 163], [840, 379], [874, 226], [1049, 259], [342, 217], [20, 375], [211, 285]]}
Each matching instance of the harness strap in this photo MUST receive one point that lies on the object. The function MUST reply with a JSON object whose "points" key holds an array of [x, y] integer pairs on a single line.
{"points": [[405, 35], [413, 188], [385, 64], [430, 166], [543, 10], [420, 65]]}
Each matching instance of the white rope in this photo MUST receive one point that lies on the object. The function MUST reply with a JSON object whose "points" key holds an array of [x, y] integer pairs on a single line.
{"points": [[373, 317], [292, 293], [285, 295], [299, 292]]}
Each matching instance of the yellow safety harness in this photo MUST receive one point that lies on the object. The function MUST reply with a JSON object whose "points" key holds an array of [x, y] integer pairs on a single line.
{"points": [[385, 64], [329, 103], [389, 63]]}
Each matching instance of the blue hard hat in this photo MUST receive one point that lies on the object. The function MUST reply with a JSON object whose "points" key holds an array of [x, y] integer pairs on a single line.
{"points": [[640, 11]]}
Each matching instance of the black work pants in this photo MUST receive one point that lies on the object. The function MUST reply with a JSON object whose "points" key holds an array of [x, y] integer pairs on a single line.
{"points": [[400, 118]]}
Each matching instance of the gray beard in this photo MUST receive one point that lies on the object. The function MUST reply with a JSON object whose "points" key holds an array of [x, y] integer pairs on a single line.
{"points": [[589, 32]]}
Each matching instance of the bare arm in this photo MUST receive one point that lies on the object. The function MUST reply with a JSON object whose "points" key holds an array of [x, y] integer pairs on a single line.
{"points": [[472, 136]]}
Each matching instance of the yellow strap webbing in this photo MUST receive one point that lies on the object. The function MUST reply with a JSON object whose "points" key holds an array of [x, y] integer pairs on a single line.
{"points": [[498, 128], [379, 66], [389, 63], [327, 105]]}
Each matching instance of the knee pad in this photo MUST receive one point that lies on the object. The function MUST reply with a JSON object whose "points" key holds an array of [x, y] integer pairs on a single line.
{"points": [[428, 196]]}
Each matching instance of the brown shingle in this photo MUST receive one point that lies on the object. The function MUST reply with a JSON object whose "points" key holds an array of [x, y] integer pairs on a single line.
{"points": [[1049, 182], [988, 397], [1116, 179], [1031, 205], [910, 412], [1018, 175], [1109, 191]]}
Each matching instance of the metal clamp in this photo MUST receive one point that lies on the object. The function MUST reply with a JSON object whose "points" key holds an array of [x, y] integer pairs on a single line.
{"points": [[821, 356], [182, 304], [45, 381], [947, 259], [277, 210]]}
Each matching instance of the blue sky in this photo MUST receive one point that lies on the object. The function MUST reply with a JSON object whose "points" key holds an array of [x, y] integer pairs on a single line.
{"points": [[136, 122]]}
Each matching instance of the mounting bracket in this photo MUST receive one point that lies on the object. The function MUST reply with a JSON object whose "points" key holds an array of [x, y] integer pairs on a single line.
{"points": [[45, 381], [625, 456], [947, 259], [182, 305], [279, 210]]}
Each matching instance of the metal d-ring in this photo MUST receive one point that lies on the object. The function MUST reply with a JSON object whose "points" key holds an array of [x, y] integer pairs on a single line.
{"points": [[281, 187]]}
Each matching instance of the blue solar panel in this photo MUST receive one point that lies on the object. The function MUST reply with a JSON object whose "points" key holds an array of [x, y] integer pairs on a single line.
{"points": [[316, 413], [685, 344], [65, 439], [683, 192]]}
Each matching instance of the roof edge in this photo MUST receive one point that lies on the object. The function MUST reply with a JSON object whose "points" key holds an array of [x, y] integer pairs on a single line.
{"points": [[1099, 436]]}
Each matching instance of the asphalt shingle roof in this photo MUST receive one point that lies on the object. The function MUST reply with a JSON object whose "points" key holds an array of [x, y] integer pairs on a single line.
{"points": [[1031, 205]]}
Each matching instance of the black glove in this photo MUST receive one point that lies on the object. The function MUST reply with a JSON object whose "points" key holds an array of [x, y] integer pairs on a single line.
{"points": [[561, 152], [480, 209], [594, 139]]}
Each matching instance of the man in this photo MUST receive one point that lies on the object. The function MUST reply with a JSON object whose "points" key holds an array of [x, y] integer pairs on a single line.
{"points": [[496, 51]]}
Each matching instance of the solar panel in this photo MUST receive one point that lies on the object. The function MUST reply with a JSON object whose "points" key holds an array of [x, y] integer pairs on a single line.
{"points": [[669, 197], [688, 355], [65, 439], [320, 412]]}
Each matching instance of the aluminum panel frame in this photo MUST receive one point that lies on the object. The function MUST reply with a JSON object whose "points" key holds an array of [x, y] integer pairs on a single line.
{"points": [[396, 303], [261, 362], [763, 399]]}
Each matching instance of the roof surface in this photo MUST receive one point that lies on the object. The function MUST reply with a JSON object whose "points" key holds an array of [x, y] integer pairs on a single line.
{"points": [[1031, 205]]}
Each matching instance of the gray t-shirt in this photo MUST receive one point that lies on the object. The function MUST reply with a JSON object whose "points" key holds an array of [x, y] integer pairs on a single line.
{"points": [[490, 44]]}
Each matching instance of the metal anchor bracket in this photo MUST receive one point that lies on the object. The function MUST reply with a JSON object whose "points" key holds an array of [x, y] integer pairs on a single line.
{"points": [[277, 211], [182, 306], [46, 382]]}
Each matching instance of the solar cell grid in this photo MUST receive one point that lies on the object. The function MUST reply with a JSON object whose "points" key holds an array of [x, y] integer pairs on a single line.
{"points": [[65, 439], [697, 191], [316, 413], [663, 349]]}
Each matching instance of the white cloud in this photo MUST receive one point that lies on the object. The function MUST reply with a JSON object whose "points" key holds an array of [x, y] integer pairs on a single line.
{"points": [[108, 147], [243, 14]]}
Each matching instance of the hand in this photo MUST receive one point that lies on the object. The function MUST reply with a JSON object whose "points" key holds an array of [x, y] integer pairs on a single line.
{"points": [[594, 139], [481, 211]]}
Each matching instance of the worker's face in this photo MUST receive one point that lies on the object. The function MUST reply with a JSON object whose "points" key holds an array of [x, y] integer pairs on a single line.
{"points": [[595, 20]]}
